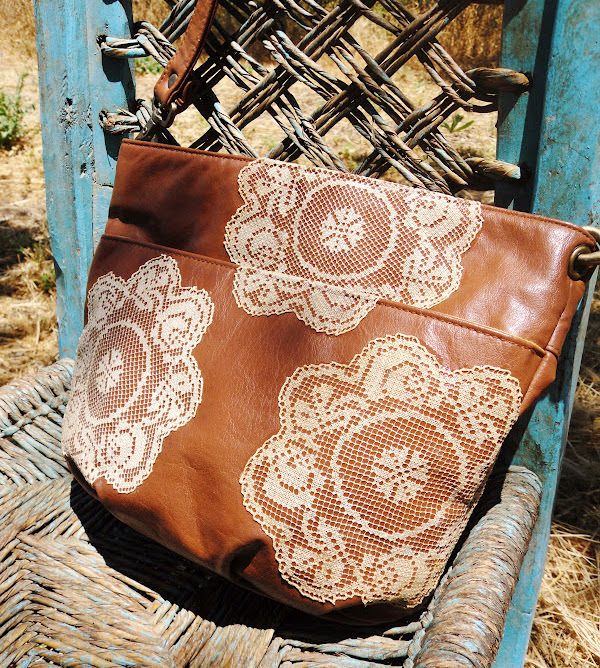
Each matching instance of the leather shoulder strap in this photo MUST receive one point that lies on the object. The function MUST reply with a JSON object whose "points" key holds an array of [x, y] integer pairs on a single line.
{"points": [[173, 85]]}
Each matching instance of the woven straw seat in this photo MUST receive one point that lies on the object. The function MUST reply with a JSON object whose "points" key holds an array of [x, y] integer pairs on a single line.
{"points": [[77, 587]]}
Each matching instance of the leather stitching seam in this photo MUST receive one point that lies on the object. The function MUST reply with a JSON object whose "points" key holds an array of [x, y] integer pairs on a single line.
{"points": [[530, 345]]}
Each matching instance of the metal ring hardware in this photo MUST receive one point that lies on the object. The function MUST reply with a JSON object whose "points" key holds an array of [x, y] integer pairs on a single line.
{"points": [[585, 258], [159, 118], [163, 117]]}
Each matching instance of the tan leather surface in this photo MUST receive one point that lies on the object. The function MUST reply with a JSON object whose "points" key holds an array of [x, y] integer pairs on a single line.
{"points": [[511, 310]]}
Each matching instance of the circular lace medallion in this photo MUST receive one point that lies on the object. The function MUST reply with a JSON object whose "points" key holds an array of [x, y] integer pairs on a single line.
{"points": [[374, 472], [135, 378], [326, 246]]}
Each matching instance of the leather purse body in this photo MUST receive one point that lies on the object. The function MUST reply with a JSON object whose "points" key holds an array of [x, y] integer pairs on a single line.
{"points": [[301, 379]]}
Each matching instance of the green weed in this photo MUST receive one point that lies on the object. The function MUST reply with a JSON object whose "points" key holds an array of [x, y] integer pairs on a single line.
{"points": [[12, 113], [455, 124], [42, 269], [147, 65]]}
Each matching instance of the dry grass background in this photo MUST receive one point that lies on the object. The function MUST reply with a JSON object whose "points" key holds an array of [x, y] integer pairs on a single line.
{"points": [[566, 630]]}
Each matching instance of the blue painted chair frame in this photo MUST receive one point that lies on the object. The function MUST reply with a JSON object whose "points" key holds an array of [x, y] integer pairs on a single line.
{"points": [[547, 131]]}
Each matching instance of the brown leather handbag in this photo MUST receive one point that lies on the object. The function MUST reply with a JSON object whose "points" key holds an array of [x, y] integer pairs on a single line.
{"points": [[301, 378]]}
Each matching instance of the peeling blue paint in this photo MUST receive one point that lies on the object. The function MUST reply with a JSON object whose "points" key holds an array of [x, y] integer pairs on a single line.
{"points": [[75, 83]]}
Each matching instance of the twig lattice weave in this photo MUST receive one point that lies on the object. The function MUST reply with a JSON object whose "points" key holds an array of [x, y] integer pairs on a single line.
{"points": [[313, 48]]}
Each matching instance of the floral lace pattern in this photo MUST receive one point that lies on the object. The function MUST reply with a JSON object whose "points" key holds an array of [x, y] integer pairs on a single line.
{"points": [[326, 246], [135, 378], [376, 468]]}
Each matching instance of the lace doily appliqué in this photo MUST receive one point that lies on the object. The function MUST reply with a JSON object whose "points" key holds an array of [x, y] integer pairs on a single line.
{"points": [[376, 468], [326, 246], [135, 378]]}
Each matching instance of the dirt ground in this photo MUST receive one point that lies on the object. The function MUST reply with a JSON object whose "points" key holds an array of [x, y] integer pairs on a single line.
{"points": [[28, 334], [567, 626]]}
